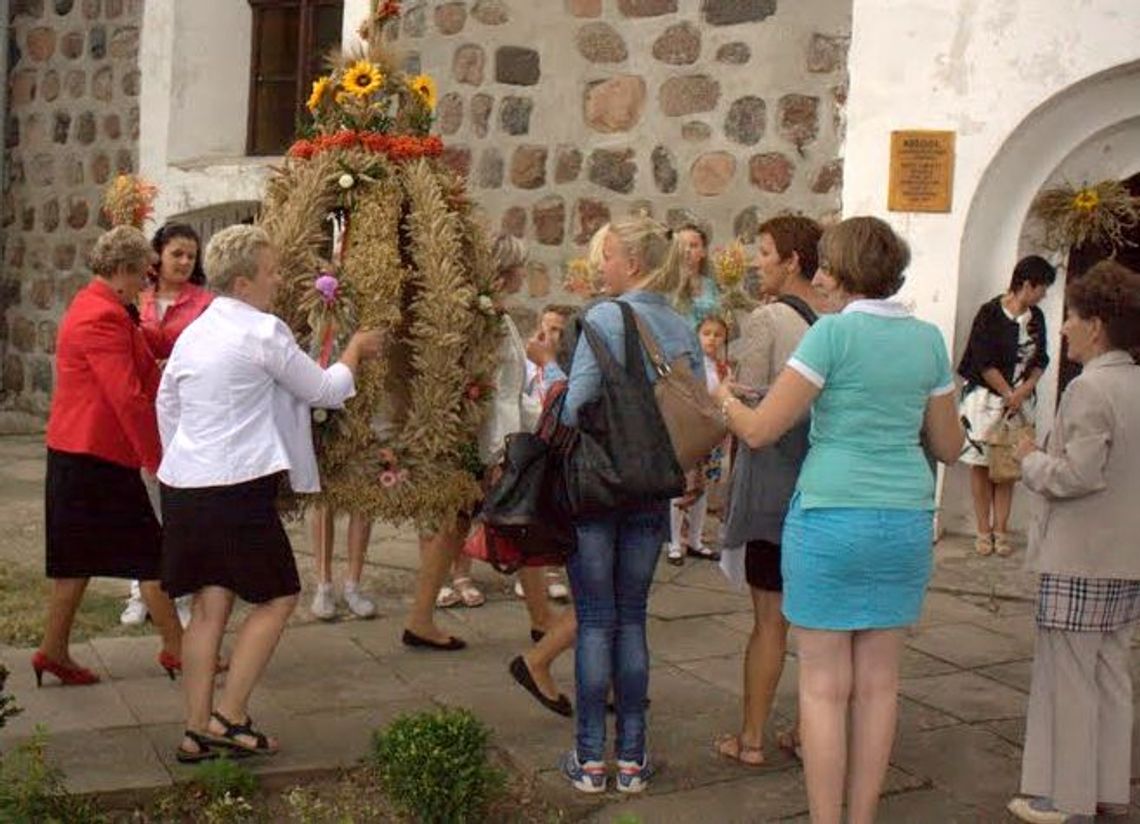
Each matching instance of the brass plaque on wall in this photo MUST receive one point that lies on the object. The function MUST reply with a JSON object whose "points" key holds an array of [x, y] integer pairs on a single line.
{"points": [[922, 171]]}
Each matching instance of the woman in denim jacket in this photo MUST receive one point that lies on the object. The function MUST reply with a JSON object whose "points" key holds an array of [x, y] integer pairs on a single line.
{"points": [[611, 572]]}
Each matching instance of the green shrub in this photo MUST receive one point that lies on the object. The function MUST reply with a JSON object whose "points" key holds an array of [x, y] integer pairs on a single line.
{"points": [[433, 766], [224, 777], [32, 790]]}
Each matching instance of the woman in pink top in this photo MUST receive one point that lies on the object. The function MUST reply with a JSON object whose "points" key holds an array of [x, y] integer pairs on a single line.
{"points": [[178, 294]]}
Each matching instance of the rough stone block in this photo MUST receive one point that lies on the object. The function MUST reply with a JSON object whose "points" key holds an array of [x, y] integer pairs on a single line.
{"points": [[450, 18], [71, 46], [78, 212], [13, 375], [695, 131], [489, 172], [771, 171], [735, 54], [646, 8], [549, 219], [40, 43], [124, 43], [467, 64], [799, 118], [415, 20], [517, 66], [732, 12], [23, 87], [746, 120], [601, 43], [678, 45], [689, 94], [589, 216], [826, 53], [132, 82], [567, 164], [490, 12], [514, 114], [97, 42], [481, 105], [514, 221], [829, 178], [458, 159], [614, 169], [76, 83], [616, 104], [585, 8], [61, 125], [449, 113], [51, 85], [103, 84], [712, 173], [22, 334], [664, 170], [528, 167]]}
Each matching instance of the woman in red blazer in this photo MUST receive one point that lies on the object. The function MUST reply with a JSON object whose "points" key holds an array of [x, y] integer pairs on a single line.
{"points": [[177, 294], [101, 430]]}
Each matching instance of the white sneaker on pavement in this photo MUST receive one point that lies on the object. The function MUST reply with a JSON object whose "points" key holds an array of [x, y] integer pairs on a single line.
{"points": [[134, 613], [555, 589], [358, 603], [324, 603]]}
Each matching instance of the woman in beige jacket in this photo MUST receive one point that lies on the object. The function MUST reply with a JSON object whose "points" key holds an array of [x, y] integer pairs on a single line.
{"points": [[1085, 548]]}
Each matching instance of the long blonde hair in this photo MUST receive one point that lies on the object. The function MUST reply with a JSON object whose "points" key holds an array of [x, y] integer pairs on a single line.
{"points": [[655, 248]]}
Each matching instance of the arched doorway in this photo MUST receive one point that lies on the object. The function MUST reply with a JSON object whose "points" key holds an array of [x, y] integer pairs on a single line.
{"points": [[1088, 131]]}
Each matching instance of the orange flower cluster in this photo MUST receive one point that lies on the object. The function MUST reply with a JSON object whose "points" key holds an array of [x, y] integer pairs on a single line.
{"points": [[129, 201], [395, 146], [387, 10]]}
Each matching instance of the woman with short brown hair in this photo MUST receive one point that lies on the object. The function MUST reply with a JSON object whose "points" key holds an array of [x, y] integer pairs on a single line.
{"points": [[1078, 734]]}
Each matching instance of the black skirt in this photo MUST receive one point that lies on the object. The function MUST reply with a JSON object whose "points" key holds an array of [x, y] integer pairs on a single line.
{"points": [[227, 536], [98, 520]]}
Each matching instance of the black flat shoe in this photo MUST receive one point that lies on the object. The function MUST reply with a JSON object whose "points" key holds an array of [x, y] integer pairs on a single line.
{"points": [[521, 673], [703, 553], [452, 644], [536, 635]]}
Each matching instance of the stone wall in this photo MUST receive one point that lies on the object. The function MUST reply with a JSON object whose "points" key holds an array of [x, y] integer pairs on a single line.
{"points": [[566, 113], [72, 124]]}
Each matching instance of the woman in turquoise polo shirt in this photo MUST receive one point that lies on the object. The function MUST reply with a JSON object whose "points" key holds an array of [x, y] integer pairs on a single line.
{"points": [[857, 540]]}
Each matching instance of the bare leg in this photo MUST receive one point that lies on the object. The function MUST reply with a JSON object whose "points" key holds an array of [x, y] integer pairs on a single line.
{"points": [[461, 566], [66, 593], [560, 636], [983, 494], [436, 555], [209, 612], [323, 525], [165, 618], [533, 582], [1003, 503], [359, 533], [874, 709], [256, 640], [763, 665], [825, 688]]}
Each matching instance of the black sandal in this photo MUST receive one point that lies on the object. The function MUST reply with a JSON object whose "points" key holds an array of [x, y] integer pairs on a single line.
{"points": [[703, 552], [233, 731], [205, 751]]}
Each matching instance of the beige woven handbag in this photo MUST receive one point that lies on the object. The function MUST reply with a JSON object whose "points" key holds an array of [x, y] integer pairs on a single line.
{"points": [[1001, 441]]}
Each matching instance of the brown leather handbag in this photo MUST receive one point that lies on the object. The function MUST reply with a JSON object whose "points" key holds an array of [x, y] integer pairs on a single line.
{"points": [[695, 424]]}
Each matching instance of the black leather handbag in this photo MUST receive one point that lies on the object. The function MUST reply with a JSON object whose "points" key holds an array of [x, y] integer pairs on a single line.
{"points": [[621, 458]]}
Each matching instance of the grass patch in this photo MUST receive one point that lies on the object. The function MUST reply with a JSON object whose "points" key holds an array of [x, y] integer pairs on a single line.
{"points": [[23, 604]]}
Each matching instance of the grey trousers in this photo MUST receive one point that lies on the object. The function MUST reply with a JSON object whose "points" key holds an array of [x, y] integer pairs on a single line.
{"points": [[1078, 735]]}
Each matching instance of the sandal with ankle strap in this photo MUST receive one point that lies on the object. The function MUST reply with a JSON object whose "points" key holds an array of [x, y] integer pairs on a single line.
{"points": [[204, 749], [230, 738]]}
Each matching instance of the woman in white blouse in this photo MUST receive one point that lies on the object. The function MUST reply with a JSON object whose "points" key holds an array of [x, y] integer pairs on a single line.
{"points": [[233, 412]]}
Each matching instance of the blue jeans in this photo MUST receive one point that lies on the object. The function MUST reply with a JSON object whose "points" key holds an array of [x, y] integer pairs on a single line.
{"points": [[610, 576]]}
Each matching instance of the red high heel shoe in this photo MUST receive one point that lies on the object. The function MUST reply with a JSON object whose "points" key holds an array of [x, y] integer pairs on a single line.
{"points": [[173, 664], [68, 676]]}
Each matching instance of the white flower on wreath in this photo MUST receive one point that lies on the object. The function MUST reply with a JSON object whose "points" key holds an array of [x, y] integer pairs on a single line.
{"points": [[320, 415], [346, 181], [486, 304]]}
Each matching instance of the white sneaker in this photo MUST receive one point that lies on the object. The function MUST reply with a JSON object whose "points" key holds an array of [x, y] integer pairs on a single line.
{"points": [[358, 603], [182, 607], [518, 588], [134, 613], [324, 603]]}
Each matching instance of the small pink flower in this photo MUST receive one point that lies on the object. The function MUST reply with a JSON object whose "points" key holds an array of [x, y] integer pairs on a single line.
{"points": [[328, 286], [389, 479]]}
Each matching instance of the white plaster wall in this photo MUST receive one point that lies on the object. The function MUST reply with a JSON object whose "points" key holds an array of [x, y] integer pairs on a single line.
{"points": [[1023, 85], [194, 58]]}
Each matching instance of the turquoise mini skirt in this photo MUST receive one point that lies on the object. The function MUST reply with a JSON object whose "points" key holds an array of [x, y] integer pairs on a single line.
{"points": [[855, 569]]}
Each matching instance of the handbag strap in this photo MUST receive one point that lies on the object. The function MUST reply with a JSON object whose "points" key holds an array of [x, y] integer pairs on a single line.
{"points": [[800, 306], [652, 347]]}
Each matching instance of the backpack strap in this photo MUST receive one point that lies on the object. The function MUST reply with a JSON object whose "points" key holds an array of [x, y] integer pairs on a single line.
{"points": [[800, 306], [652, 347]]}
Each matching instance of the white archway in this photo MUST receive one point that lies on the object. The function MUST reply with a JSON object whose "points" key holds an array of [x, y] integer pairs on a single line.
{"points": [[1064, 137]]}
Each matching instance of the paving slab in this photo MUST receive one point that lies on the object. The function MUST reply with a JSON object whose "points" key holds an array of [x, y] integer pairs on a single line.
{"points": [[691, 639], [967, 696], [112, 760], [975, 766], [1016, 674], [670, 601], [969, 645]]}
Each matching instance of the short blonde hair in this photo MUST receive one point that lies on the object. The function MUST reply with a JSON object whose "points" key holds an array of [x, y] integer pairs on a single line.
{"points": [[865, 255], [232, 253], [507, 252], [123, 246], [655, 249]]}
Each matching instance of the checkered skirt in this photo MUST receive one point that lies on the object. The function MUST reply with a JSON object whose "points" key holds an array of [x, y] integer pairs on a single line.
{"points": [[1086, 604]]}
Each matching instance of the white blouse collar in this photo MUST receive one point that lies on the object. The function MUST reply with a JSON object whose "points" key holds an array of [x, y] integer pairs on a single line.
{"points": [[882, 308]]}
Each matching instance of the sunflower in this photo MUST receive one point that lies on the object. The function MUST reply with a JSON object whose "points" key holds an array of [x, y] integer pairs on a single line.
{"points": [[362, 78], [424, 86], [1086, 200], [320, 89]]}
